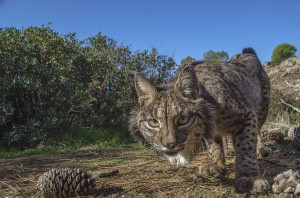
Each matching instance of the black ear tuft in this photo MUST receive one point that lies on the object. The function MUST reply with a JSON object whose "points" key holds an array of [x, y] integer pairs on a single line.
{"points": [[249, 50]]}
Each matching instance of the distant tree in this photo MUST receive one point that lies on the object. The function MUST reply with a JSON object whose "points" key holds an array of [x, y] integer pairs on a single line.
{"points": [[282, 52], [187, 60], [211, 56]]}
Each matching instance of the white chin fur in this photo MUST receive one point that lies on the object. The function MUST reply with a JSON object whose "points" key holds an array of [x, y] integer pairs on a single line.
{"points": [[177, 159]]}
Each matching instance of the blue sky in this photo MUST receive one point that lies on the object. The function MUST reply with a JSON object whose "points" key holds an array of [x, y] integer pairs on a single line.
{"points": [[178, 28]]}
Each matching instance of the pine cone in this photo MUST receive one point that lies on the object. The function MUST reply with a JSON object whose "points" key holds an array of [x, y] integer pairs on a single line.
{"points": [[294, 135], [275, 136], [287, 184], [65, 182]]}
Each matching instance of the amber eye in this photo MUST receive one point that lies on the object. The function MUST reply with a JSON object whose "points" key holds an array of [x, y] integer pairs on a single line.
{"points": [[183, 119], [153, 123]]}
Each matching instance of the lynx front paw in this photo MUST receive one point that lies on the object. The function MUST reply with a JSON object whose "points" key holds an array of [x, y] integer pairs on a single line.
{"points": [[211, 169], [253, 185]]}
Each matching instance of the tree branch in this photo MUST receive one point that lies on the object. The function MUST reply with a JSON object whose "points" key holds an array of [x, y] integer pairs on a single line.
{"points": [[295, 108]]}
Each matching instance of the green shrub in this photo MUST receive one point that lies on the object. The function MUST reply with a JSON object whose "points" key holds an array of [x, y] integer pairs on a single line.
{"points": [[188, 59], [211, 56], [34, 63], [51, 83], [282, 52]]}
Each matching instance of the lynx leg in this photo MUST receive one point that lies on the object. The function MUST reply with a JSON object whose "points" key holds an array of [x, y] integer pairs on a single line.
{"points": [[246, 164], [262, 150], [216, 160]]}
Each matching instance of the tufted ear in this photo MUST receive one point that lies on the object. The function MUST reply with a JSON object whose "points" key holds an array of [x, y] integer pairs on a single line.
{"points": [[145, 91], [187, 83]]}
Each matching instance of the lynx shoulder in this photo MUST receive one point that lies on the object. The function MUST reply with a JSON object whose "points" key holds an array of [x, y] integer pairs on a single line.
{"points": [[205, 102]]}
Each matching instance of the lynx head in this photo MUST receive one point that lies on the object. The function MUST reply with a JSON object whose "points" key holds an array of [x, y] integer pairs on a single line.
{"points": [[176, 122]]}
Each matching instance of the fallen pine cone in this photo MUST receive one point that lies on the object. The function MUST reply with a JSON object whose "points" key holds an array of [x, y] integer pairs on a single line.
{"points": [[275, 136], [294, 135], [65, 182], [287, 184]]}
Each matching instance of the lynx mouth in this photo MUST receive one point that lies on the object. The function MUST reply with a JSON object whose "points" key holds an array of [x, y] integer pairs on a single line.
{"points": [[172, 152]]}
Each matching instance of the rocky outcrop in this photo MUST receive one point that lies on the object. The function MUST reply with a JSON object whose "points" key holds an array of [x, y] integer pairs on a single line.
{"points": [[285, 77]]}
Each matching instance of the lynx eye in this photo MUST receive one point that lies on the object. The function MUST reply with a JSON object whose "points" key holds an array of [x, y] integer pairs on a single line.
{"points": [[183, 119], [153, 123]]}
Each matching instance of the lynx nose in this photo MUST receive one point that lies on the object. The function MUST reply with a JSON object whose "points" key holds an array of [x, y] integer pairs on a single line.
{"points": [[170, 142], [171, 145]]}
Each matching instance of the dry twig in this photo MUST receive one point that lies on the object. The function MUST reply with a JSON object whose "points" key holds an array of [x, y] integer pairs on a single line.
{"points": [[9, 186], [295, 108], [279, 124], [109, 174]]}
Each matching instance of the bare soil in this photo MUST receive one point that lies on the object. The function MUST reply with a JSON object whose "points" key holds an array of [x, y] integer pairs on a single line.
{"points": [[124, 172]]}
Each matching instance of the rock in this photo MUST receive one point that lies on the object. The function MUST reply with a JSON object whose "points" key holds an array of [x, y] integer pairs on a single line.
{"points": [[297, 191], [294, 179], [279, 177], [285, 195], [267, 64], [265, 151], [289, 190], [288, 173], [285, 77], [287, 184]]}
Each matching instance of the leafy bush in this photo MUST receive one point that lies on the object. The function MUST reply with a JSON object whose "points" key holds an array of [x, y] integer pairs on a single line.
{"points": [[34, 63], [282, 52], [188, 59], [52, 82], [211, 56]]}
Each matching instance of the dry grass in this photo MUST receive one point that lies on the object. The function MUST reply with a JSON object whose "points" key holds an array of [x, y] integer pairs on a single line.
{"points": [[281, 115], [121, 172]]}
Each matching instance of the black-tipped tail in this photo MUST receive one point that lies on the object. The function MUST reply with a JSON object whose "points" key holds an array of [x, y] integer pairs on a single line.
{"points": [[249, 50]]}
